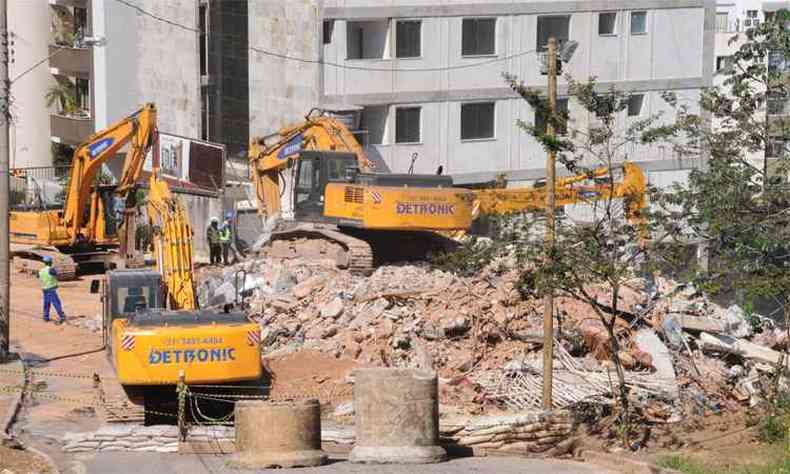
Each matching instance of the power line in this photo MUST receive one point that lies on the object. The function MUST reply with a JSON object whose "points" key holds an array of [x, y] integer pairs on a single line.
{"points": [[141, 11], [327, 63], [383, 69], [37, 64]]}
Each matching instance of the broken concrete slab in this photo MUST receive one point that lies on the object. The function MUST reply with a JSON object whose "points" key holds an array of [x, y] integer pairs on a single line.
{"points": [[742, 348], [701, 323], [648, 341]]}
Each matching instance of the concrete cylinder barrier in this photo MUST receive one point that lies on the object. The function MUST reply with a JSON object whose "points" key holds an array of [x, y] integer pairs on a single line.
{"points": [[397, 417], [285, 434]]}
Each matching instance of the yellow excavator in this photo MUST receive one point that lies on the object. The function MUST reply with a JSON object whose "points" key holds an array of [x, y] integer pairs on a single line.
{"points": [[318, 181], [86, 229], [154, 333]]}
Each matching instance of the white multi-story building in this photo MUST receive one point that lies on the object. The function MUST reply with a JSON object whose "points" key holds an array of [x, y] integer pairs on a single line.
{"points": [[429, 74]]}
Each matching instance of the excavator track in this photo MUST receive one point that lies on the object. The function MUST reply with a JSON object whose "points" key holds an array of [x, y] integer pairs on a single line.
{"points": [[354, 254], [117, 407], [360, 250]]}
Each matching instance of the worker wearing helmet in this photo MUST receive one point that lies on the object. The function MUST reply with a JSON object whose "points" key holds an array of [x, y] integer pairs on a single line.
{"points": [[214, 246], [49, 285], [224, 240]]}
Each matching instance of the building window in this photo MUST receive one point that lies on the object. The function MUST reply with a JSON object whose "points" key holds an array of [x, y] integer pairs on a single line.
{"points": [[366, 39], [635, 102], [541, 123], [776, 104], [407, 125], [638, 23], [606, 23], [722, 22], [775, 148], [552, 26], [83, 89], [373, 123], [751, 19], [478, 36], [477, 121], [329, 28], [407, 39], [723, 63]]}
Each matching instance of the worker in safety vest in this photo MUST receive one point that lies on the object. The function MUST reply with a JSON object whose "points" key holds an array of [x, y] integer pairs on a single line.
{"points": [[214, 246], [49, 284], [224, 240]]}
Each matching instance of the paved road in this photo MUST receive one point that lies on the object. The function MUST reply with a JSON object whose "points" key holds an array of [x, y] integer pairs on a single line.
{"points": [[136, 463]]}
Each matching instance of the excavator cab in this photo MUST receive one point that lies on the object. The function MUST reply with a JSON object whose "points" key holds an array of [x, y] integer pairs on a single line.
{"points": [[314, 171], [126, 292]]}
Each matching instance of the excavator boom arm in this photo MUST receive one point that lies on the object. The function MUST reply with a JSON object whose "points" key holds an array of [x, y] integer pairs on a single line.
{"points": [[319, 132], [569, 191], [138, 128], [172, 243]]}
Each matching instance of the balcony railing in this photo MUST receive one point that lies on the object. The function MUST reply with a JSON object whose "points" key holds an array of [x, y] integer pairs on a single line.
{"points": [[71, 129], [70, 61]]}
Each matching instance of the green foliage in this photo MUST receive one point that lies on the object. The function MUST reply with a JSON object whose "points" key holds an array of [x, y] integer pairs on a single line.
{"points": [[690, 466], [64, 94], [469, 258], [732, 206], [773, 428]]}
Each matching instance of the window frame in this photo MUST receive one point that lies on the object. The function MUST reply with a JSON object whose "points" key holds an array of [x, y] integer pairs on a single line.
{"points": [[631, 23], [544, 48], [493, 121], [479, 18], [642, 95], [614, 24], [419, 37], [419, 127]]}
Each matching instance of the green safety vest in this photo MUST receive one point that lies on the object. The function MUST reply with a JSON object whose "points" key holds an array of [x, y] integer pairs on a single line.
{"points": [[224, 235], [48, 281]]}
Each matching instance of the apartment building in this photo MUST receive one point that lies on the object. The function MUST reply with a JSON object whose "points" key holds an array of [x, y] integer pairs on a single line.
{"points": [[102, 59], [429, 75], [733, 19]]}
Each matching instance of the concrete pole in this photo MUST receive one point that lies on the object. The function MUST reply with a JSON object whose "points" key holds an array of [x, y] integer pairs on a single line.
{"points": [[5, 117], [548, 301]]}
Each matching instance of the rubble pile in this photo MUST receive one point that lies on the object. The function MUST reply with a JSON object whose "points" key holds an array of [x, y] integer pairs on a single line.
{"points": [[682, 353]]}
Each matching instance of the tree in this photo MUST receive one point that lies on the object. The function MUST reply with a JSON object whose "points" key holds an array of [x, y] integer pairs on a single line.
{"points": [[593, 262], [739, 207], [64, 94]]}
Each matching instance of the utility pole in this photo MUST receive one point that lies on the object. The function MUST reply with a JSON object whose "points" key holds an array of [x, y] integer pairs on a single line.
{"points": [[5, 117], [548, 299]]}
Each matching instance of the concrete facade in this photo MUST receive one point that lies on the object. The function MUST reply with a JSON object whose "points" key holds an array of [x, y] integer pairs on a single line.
{"points": [[30, 132], [283, 91], [675, 53], [146, 60]]}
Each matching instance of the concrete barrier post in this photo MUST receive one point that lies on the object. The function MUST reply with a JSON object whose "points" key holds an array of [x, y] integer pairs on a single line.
{"points": [[286, 434], [397, 417]]}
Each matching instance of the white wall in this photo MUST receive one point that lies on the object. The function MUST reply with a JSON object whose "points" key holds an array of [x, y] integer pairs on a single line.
{"points": [[672, 55], [29, 21], [146, 60], [282, 91]]}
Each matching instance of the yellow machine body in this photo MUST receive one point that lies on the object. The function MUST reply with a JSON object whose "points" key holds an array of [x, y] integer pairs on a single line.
{"points": [[204, 352], [399, 208], [81, 225]]}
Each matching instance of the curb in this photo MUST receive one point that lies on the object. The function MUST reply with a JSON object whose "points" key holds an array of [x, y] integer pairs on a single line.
{"points": [[16, 403], [10, 417], [623, 464]]}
